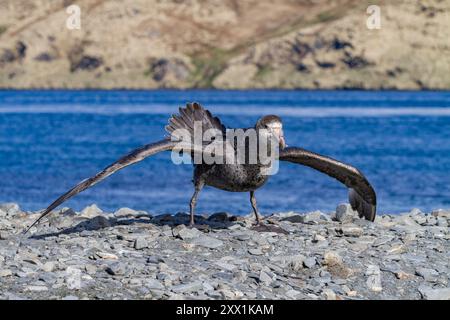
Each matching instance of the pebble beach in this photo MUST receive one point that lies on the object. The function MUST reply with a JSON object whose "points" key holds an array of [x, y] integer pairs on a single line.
{"points": [[131, 254]]}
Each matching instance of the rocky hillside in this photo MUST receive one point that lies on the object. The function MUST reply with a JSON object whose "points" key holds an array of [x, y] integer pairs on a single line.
{"points": [[225, 44]]}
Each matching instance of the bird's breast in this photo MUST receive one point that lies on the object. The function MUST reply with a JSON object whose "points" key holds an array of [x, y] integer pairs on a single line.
{"points": [[238, 178]]}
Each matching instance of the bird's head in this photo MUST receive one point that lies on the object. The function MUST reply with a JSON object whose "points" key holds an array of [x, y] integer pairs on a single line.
{"points": [[274, 127]]}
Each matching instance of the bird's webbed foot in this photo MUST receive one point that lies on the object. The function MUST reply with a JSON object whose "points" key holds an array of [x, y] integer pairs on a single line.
{"points": [[267, 227]]}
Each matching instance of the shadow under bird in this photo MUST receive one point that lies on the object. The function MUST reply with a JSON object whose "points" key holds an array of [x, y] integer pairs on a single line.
{"points": [[236, 177]]}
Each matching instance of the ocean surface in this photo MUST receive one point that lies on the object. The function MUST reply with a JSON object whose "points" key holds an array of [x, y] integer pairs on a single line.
{"points": [[51, 140]]}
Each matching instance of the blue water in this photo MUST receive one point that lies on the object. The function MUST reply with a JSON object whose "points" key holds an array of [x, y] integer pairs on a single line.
{"points": [[50, 140]]}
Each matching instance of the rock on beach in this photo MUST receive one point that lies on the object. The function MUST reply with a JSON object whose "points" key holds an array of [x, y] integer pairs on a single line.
{"points": [[134, 255]]}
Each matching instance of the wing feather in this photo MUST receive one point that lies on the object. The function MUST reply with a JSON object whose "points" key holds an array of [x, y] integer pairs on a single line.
{"points": [[362, 196], [131, 158]]}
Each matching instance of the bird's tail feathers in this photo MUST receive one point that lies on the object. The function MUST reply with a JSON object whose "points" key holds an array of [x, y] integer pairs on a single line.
{"points": [[190, 118]]}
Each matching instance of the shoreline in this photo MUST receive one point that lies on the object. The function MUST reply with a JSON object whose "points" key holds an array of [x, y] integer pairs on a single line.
{"points": [[132, 255], [169, 89]]}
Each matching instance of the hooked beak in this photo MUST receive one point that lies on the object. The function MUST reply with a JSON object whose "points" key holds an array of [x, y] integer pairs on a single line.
{"points": [[282, 142], [280, 135]]}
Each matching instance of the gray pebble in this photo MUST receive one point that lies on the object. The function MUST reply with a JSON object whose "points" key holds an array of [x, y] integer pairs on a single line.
{"points": [[428, 274], [374, 278], [434, 294], [345, 213], [116, 268], [187, 287], [255, 252], [140, 243], [309, 262], [207, 242], [184, 233], [350, 231]]}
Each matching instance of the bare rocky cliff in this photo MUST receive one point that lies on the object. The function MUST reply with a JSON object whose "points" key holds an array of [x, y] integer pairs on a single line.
{"points": [[225, 44]]}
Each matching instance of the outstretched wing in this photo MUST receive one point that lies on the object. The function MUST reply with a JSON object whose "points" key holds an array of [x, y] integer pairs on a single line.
{"points": [[131, 158], [362, 196]]}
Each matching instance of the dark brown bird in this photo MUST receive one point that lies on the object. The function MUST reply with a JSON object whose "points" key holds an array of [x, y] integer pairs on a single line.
{"points": [[244, 176]]}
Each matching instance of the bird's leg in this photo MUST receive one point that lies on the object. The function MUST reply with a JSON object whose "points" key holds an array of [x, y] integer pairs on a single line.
{"points": [[260, 226], [198, 187], [255, 208]]}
